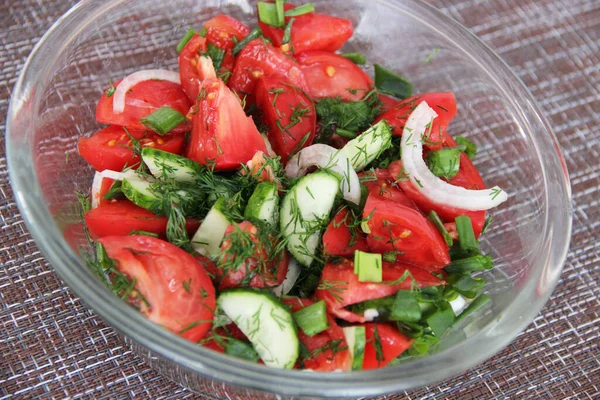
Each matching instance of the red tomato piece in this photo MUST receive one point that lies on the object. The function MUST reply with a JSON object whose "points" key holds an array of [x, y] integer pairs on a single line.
{"points": [[311, 31], [395, 227], [222, 134], [384, 186], [337, 356], [387, 102], [111, 148], [443, 103], [331, 75], [258, 59], [341, 240], [467, 177], [289, 114], [121, 217], [256, 266], [190, 71], [384, 343], [339, 286], [221, 31], [179, 293], [142, 100]]}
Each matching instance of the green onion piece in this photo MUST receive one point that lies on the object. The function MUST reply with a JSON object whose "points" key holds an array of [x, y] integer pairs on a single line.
{"points": [[300, 10], [475, 305], [114, 192], [239, 46], [267, 13], [163, 120], [388, 82], [287, 33], [104, 261], [470, 148], [441, 320], [466, 285], [406, 307], [410, 329], [239, 349], [450, 294], [369, 266], [356, 58], [431, 294], [486, 224], [185, 39], [203, 32], [216, 55], [444, 163], [466, 236], [346, 133], [470, 264], [312, 319], [383, 306], [433, 217], [280, 11], [111, 90], [142, 233], [422, 345]]}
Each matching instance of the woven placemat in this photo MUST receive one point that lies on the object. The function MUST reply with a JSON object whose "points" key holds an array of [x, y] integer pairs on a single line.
{"points": [[51, 346]]}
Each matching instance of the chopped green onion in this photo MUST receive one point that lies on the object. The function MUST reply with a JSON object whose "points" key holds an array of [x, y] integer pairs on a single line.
{"points": [[185, 39], [388, 82], [346, 133], [312, 319], [300, 10], [287, 33], [280, 11], [216, 55], [114, 192], [163, 120], [431, 294], [431, 55], [111, 90], [470, 148], [239, 46], [410, 329], [203, 32], [466, 236], [470, 264], [433, 217], [356, 58], [268, 14], [444, 163], [239, 349], [136, 232], [466, 285], [475, 305], [383, 305], [369, 266], [420, 346], [486, 225], [441, 320], [406, 307]]}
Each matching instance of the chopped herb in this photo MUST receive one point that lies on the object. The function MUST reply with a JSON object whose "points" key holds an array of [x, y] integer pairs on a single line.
{"points": [[475, 305], [287, 33], [466, 285], [240, 349], [431, 55], [186, 285], [486, 225], [390, 83], [66, 157], [185, 39], [470, 148], [136, 232], [356, 58], [470, 264], [114, 192], [376, 339], [111, 90], [203, 32], [300, 10], [433, 217], [215, 54], [239, 46]]}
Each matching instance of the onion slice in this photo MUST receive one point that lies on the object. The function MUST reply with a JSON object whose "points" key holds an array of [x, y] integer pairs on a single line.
{"points": [[96, 186], [291, 277], [206, 68], [327, 158], [118, 176], [130, 81], [430, 186]]}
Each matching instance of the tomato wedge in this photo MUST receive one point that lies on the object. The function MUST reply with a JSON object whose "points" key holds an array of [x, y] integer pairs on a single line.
{"points": [[387, 102], [397, 228], [384, 343], [382, 185], [341, 240], [331, 75], [143, 99], [222, 134], [190, 72], [443, 103], [221, 31], [121, 217], [177, 292], [339, 286], [289, 114], [311, 31], [111, 148], [336, 356], [258, 59]]}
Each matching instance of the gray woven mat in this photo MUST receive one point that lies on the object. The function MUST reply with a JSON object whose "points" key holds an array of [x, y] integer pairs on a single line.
{"points": [[51, 346]]}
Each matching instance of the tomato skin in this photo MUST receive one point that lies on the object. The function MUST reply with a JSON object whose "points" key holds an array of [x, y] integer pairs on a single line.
{"points": [[395, 227], [189, 71], [258, 59], [330, 75], [160, 270], [278, 101], [348, 290], [142, 100], [120, 217], [387, 102], [221, 132], [325, 361], [443, 103], [311, 31], [393, 343], [220, 32], [467, 177], [385, 187], [110, 149], [272, 274], [340, 240]]}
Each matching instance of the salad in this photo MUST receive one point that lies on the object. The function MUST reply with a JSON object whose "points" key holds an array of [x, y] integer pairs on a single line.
{"points": [[271, 201]]}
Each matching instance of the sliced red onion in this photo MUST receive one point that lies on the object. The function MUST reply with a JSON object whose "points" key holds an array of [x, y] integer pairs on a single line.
{"points": [[130, 81], [432, 187], [328, 158]]}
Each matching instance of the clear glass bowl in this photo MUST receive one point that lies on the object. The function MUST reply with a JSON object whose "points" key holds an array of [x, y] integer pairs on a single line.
{"points": [[100, 41]]}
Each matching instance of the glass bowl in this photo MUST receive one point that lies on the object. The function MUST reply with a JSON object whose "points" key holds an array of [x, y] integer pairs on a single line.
{"points": [[100, 41]]}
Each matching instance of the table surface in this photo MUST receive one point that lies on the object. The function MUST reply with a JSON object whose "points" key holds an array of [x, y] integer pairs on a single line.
{"points": [[52, 346]]}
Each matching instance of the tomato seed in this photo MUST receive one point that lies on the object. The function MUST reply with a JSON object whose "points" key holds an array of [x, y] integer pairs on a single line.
{"points": [[210, 96], [160, 141], [257, 74], [149, 144], [404, 234], [330, 71], [112, 142], [285, 47]]}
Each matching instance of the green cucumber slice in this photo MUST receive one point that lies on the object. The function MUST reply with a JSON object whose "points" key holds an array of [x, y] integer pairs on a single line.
{"points": [[356, 338], [264, 203], [138, 191], [167, 165], [365, 148], [207, 239]]}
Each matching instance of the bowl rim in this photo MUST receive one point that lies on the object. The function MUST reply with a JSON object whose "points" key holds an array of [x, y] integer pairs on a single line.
{"points": [[238, 372]]}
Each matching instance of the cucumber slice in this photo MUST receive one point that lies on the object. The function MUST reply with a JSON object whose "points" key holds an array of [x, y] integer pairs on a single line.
{"points": [[138, 191], [207, 239], [366, 147], [356, 338], [264, 203], [266, 322], [303, 212], [167, 165]]}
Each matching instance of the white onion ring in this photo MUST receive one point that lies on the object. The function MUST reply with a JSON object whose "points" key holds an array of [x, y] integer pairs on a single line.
{"points": [[290, 279], [118, 176], [137, 77], [430, 186], [96, 186], [327, 157], [206, 68]]}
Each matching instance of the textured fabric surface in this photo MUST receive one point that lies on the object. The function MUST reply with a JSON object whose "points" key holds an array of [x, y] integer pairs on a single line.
{"points": [[51, 346]]}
